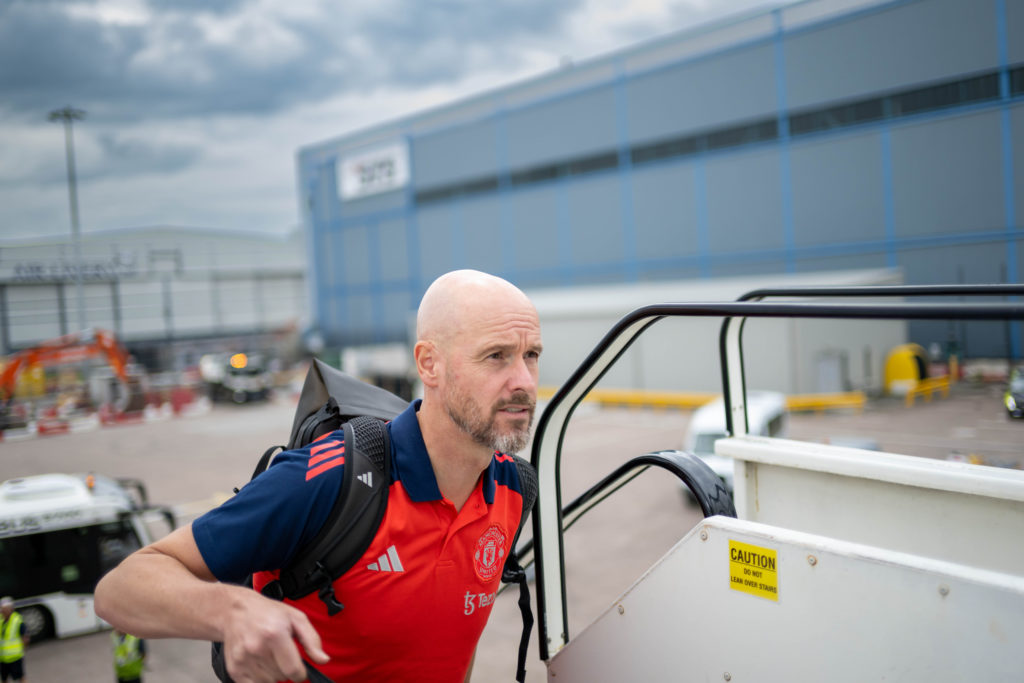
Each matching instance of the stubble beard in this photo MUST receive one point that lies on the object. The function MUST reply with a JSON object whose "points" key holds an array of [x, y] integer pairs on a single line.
{"points": [[483, 429]]}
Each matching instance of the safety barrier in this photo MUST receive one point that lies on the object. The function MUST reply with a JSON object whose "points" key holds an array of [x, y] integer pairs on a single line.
{"points": [[636, 398], [926, 388], [52, 424], [819, 403]]}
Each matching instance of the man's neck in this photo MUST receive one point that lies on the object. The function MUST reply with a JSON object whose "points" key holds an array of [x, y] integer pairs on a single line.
{"points": [[457, 460]]}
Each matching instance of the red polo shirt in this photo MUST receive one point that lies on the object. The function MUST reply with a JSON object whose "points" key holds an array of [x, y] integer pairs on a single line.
{"points": [[417, 601]]}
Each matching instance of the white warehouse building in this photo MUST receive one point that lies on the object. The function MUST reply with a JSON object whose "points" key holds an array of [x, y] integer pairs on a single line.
{"points": [[167, 293]]}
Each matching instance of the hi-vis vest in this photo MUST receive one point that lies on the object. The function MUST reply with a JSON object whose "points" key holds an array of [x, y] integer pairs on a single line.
{"points": [[127, 660], [12, 648]]}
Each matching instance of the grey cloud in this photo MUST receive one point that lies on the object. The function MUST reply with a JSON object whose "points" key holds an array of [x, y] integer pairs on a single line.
{"points": [[45, 53], [212, 6], [121, 156], [429, 42], [47, 59], [466, 22], [125, 156]]}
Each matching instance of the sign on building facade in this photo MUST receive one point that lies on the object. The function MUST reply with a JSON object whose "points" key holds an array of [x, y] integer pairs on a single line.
{"points": [[381, 169]]}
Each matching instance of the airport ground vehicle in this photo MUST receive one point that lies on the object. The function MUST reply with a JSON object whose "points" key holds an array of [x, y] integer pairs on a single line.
{"points": [[766, 415], [236, 377], [59, 533], [835, 563], [121, 387]]}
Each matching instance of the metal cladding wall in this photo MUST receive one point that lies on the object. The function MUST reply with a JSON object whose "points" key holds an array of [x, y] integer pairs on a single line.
{"points": [[826, 135], [152, 286]]}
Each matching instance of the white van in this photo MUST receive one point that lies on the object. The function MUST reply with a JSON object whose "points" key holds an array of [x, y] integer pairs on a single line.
{"points": [[766, 416]]}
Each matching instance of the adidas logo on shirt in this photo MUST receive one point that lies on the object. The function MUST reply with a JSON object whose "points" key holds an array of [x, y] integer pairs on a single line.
{"points": [[366, 478], [388, 562]]}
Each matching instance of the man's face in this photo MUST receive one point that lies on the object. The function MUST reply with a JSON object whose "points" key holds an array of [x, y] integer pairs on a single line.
{"points": [[6, 610], [503, 426], [490, 381]]}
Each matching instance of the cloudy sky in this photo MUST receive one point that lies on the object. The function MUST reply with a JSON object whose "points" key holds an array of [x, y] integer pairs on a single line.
{"points": [[195, 108]]}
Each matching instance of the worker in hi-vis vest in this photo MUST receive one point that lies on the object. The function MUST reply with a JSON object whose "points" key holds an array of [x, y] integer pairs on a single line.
{"points": [[13, 640], [129, 656]]}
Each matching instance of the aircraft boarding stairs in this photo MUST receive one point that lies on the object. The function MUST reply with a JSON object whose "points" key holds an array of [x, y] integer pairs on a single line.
{"points": [[840, 564]]}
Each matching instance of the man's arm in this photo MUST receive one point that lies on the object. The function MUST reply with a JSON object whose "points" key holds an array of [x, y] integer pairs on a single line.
{"points": [[166, 590]]}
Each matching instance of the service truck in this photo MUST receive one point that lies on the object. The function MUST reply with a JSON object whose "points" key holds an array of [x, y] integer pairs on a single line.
{"points": [[59, 533], [828, 563]]}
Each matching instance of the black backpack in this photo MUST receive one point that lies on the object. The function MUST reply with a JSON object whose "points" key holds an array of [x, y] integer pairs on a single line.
{"points": [[332, 400]]}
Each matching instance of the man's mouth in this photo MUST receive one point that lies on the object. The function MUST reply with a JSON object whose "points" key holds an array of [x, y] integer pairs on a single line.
{"points": [[516, 409], [518, 405]]}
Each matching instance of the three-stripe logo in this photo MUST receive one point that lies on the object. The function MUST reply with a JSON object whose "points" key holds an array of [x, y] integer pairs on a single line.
{"points": [[366, 478], [325, 456], [388, 562]]}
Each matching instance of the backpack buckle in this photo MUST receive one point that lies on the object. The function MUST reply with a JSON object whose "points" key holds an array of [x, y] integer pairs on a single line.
{"points": [[330, 599], [273, 590], [326, 592], [512, 572]]}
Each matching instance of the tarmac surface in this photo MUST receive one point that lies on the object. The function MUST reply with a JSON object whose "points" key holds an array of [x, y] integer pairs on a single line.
{"points": [[193, 463]]}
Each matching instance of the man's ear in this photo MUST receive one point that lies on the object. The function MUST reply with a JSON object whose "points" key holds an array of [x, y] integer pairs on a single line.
{"points": [[428, 363]]}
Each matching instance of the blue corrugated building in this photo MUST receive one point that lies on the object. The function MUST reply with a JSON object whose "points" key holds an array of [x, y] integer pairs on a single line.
{"points": [[823, 135]]}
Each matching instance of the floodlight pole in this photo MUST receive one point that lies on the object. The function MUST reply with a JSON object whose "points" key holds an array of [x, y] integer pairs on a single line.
{"points": [[67, 115]]}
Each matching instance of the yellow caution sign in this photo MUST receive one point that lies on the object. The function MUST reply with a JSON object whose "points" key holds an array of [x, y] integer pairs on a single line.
{"points": [[752, 569]]}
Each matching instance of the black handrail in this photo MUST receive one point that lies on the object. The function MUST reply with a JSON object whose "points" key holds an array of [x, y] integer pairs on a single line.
{"points": [[850, 291], [553, 421], [707, 488]]}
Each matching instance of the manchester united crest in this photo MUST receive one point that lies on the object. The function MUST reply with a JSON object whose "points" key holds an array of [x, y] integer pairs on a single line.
{"points": [[489, 557]]}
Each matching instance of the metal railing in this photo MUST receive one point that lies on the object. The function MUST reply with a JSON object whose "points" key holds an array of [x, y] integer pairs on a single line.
{"points": [[546, 454]]}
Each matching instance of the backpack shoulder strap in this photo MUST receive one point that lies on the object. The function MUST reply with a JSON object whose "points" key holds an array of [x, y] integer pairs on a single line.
{"points": [[350, 526], [325, 420], [512, 572], [528, 490], [352, 522], [264, 462]]}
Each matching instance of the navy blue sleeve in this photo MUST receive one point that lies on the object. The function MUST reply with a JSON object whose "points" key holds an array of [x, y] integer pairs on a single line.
{"points": [[263, 525]]}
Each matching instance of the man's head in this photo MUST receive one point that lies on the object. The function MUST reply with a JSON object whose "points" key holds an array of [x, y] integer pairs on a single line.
{"points": [[477, 346], [6, 606]]}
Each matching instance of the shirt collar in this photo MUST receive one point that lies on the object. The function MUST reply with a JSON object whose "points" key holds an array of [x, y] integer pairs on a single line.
{"points": [[412, 464]]}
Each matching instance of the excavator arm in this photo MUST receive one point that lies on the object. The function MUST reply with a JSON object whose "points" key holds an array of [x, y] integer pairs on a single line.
{"points": [[69, 348]]}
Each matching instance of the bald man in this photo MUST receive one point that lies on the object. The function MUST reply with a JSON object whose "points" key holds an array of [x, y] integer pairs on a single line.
{"points": [[417, 601]]}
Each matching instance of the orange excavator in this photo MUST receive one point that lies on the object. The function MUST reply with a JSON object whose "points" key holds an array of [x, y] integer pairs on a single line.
{"points": [[67, 349]]}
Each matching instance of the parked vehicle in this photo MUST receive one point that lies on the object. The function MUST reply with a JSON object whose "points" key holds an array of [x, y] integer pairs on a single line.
{"points": [[766, 416], [117, 382], [59, 533], [238, 377]]}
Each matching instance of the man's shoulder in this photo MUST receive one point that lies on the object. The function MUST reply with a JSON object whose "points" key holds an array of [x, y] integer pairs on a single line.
{"points": [[327, 450], [323, 455], [274, 513]]}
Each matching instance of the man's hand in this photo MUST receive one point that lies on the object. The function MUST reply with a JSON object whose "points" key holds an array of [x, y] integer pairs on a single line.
{"points": [[259, 640], [165, 590]]}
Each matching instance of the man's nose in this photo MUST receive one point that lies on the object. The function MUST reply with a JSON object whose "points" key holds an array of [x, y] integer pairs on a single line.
{"points": [[523, 377]]}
